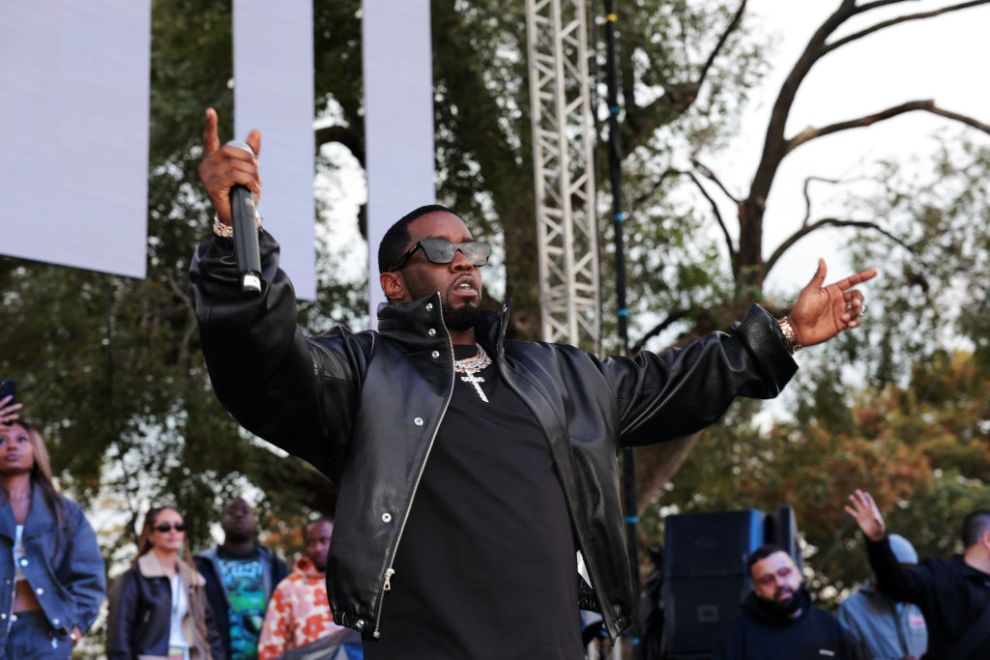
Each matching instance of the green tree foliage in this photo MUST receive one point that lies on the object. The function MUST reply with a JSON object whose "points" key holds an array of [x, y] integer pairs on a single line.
{"points": [[112, 368], [724, 265], [111, 365], [922, 448], [914, 424]]}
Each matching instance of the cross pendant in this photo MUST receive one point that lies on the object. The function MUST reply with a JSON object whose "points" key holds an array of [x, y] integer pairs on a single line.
{"points": [[475, 380]]}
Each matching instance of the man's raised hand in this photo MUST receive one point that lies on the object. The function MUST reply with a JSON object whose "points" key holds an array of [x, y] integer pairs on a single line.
{"points": [[864, 511], [822, 312], [224, 167]]}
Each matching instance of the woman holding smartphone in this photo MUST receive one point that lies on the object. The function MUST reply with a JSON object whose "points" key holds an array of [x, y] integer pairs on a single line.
{"points": [[158, 607], [51, 569]]}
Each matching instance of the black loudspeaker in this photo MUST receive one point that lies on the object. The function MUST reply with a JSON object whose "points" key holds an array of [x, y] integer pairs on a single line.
{"points": [[781, 529], [710, 544], [696, 610], [705, 576]]}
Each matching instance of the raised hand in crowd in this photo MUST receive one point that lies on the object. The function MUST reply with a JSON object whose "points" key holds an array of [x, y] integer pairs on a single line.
{"points": [[863, 509], [8, 409]]}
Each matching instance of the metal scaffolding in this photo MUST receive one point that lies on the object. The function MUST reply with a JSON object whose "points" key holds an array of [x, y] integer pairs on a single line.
{"points": [[563, 158]]}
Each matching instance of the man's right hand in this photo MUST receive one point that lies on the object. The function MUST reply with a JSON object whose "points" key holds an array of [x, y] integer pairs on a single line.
{"points": [[225, 167], [864, 511]]}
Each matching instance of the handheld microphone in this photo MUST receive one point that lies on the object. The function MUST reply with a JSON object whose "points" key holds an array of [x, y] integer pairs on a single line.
{"points": [[245, 226]]}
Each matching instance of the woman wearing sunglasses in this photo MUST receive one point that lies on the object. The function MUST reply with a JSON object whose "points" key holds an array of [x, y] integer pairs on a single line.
{"points": [[158, 606], [50, 563]]}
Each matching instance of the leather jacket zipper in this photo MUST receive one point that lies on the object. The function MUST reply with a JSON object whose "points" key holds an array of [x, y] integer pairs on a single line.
{"points": [[389, 572]]}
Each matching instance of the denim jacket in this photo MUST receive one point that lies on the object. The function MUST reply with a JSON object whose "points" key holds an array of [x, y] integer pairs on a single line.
{"points": [[67, 577]]}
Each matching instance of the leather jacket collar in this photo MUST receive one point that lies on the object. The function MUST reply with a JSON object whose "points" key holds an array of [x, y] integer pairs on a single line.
{"points": [[410, 324], [150, 567]]}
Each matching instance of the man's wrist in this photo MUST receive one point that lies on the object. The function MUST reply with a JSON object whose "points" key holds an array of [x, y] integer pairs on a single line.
{"points": [[224, 230], [790, 336], [876, 538]]}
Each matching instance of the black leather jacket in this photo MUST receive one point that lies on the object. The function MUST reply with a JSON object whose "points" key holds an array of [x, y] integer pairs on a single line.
{"points": [[140, 616], [364, 408]]}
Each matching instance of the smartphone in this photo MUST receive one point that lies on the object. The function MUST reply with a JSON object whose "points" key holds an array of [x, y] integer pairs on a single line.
{"points": [[7, 388]]}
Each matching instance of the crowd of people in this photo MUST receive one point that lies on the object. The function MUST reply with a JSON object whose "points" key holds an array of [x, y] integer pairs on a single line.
{"points": [[935, 608], [236, 601], [476, 475]]}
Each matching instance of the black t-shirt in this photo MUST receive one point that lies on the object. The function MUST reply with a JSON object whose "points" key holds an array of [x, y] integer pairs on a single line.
{"points": [[486, 566]]}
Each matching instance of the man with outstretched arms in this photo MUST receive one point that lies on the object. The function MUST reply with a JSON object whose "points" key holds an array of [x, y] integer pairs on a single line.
{"points": [[470, 469]]}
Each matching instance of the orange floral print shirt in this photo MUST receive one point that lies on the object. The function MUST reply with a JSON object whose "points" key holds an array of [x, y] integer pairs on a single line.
{"points": [[298, 612]]}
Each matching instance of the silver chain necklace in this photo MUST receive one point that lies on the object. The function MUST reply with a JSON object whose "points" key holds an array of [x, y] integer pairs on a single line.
{"points": [[470, 367]]}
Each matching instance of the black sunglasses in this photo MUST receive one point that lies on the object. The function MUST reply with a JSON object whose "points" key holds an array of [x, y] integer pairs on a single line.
{"points": [[442, 251], [165, 528]]}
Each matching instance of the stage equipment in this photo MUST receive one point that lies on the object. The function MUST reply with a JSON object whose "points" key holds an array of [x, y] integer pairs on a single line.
{"points": [[705, 572], [397, 69], [622, 311], [74, 105], [563, 164], [273, 92]]}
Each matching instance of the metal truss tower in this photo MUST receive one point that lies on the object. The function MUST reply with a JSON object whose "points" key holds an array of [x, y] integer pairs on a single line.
{"points": [[563, 158]]}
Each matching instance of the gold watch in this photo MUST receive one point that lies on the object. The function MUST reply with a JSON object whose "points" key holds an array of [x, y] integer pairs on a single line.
{"points": [[790, 337]]}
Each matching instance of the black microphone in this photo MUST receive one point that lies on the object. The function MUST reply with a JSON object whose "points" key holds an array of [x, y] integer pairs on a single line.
{"points": [[245, 226]]}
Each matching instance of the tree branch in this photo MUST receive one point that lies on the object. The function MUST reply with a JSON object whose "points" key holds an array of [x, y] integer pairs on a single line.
{"points": [[821, 224], [718, 216], [638, 202], [191, 323], [879, 3], [672, 317], [708, 174], [730, 28], [899, 19], [775, 143], [812, 133], [641, 121], [342, 134], [807, 192], [715, 210]]}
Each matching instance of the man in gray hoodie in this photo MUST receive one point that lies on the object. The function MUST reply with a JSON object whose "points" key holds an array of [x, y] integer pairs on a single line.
{"points": [[882, 626]]}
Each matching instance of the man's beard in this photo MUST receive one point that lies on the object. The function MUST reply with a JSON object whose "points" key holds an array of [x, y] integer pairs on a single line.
{"points": [[787, 608], [461, 318]]}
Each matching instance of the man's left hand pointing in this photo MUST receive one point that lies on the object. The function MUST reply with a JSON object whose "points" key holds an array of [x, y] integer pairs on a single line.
{"points": [[822, 312]]}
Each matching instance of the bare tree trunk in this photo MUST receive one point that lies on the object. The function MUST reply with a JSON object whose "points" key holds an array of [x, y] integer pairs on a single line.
{"points": [[657, 464]]}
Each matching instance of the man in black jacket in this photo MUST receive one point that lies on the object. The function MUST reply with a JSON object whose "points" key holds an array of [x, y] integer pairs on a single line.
{"points": [[778, 619], [953, 594], [506, 447]]}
